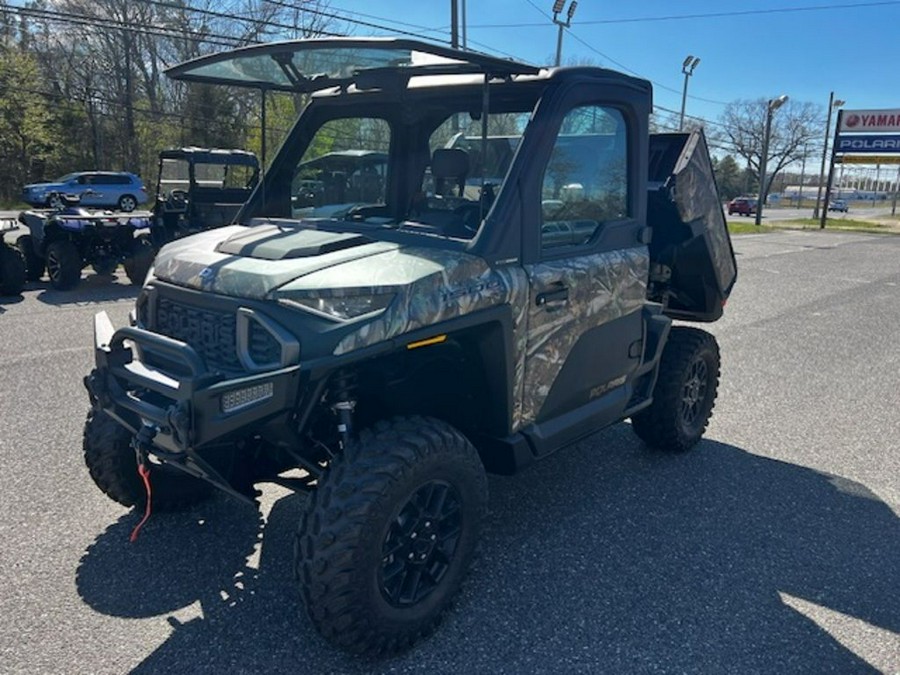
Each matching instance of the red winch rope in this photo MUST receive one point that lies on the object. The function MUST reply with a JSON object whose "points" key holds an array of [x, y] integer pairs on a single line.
{"points": [[144, 472]]}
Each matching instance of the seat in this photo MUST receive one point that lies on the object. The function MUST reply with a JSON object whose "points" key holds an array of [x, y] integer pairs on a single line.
{"points": [[446, 164]]}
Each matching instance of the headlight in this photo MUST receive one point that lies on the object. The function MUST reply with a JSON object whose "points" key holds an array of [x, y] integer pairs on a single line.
{"points": [[339, 307]]}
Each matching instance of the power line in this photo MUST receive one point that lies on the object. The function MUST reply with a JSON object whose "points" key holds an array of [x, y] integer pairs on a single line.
{"points": [[390, 29], [269, 23], [706, 15], [621, 65], [94, 22]]}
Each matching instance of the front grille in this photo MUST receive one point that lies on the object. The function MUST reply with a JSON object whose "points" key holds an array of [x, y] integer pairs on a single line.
{"points": [[212, 334]]}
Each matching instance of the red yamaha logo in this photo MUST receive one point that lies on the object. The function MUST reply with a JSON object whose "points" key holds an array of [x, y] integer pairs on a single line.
{"points": [[852, 121]]}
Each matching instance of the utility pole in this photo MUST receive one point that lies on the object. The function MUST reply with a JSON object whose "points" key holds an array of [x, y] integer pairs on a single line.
{"points": [[454, 24], [832, 104], [802, 176], [773, 105], [465, 39], [824, 214]]}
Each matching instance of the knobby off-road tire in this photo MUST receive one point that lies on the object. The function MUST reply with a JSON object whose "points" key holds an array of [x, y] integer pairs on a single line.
{"points": [[112, 464], [685, 392], [34, 264], [63, 265], [12, 270], [385, 540], [137, 266]]}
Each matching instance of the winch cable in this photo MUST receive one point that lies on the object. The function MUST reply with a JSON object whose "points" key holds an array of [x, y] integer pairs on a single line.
{"points": [[144, 473]]}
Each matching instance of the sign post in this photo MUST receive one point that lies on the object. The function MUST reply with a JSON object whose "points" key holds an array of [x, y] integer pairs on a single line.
{"points": [[837, 131]]}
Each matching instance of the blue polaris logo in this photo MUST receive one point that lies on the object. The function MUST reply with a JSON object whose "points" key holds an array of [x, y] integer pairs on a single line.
{"points": [[207, 275], [866, 144]]}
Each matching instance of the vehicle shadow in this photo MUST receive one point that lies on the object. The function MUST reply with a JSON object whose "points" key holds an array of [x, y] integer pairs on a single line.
{"points": [[93, 288], [607, 557], [10, 300]]}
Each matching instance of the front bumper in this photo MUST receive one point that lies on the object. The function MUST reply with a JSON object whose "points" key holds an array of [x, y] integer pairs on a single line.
{"points": [[187, 411]]}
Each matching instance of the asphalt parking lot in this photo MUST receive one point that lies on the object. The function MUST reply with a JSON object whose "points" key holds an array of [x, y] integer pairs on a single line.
{"points": [[772, 547]]}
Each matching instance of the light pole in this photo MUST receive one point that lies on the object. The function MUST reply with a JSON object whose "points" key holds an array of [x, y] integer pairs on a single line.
{"points": [[802, 176], [773, 105], [557, 9], [832, 104], [688, 69]]}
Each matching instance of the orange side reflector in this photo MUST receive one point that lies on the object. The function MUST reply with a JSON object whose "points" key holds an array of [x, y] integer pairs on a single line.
{"points": [[424, 343]]}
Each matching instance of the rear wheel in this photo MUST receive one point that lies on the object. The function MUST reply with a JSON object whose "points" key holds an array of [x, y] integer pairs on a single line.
{"points": [[385, 540], [127, 203], [34, 264], [111, 461], [685, 392], [63, 265], [137, 266], [12, 270]]}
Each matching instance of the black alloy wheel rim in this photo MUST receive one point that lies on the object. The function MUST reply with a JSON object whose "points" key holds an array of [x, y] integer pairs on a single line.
{"points": [[420, 544], [53, 266], [694, 392]]}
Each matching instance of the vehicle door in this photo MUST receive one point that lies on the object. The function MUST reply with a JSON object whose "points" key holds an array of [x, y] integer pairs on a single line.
{"points": [[587, 269], [91, 190]]}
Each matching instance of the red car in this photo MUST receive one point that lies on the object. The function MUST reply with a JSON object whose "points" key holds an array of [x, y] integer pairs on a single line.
{"points": [[742, 206]]}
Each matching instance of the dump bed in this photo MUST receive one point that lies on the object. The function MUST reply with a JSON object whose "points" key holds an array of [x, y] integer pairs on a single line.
{"points": [[693, 265]]}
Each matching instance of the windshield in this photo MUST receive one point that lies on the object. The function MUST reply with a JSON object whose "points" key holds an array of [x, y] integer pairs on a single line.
{"points": [[66, 178], [357, 169], [343, 170], [175, 175]]}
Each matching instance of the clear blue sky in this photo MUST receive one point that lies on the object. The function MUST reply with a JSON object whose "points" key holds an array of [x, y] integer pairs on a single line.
{"points": [[849, 46]]}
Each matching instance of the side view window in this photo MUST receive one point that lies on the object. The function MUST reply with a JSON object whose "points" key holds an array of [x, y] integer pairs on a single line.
{"points": [[586, 181]]}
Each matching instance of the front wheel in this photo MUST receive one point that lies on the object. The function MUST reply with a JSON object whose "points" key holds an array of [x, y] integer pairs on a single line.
{"points": [[12, 270], [63, 265], [140, 261], [34, 264], [112, 463], [685, 392], [385, 540]]}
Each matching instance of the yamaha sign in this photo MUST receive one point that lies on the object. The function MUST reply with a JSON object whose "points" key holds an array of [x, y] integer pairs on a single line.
{"points": [[870, 121]]}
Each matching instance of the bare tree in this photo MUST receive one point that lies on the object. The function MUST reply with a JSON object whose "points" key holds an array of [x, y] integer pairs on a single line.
{"points": [[795, 125]]}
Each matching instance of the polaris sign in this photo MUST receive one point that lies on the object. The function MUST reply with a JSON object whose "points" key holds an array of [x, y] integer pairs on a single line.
{"points": [[856, 144], [870, 121]]}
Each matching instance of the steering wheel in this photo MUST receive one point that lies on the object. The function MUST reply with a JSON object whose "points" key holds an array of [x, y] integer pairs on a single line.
{"points": [[470, 216], [177, 196]]}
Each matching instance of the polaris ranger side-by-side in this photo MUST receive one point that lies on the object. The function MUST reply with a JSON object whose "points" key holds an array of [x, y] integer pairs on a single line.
{"points": [[200, 189], [378, 335]]}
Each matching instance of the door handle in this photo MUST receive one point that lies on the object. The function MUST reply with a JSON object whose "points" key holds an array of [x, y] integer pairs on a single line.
{"points": [[558, 295]]}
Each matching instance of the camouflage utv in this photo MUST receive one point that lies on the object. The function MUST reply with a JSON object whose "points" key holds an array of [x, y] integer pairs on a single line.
{"points": [[379, 334]]}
